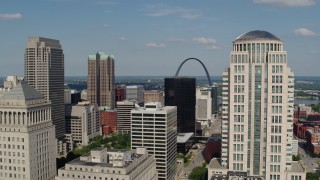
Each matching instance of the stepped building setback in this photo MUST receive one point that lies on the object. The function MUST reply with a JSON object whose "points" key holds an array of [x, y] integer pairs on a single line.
{"points": [[101, 82], [105, 164], [27, 135], [44, 71]]}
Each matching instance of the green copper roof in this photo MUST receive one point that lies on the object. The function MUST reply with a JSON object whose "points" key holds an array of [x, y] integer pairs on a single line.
{"points": [[103, 56], [92, 57]]}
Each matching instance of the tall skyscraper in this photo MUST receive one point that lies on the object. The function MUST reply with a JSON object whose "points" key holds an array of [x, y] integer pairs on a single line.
{"points": [[155, 127], [27, 145], [257, 109], [44, 71], [181, 92], [101, 84]]}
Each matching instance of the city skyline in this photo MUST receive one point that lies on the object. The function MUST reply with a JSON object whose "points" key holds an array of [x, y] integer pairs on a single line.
{"points": [[148, 34]]}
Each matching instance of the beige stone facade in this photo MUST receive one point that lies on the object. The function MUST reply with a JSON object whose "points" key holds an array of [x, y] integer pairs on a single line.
{"points": [[257, 108], [103, 164], [153, 96], [82, 123], [27, 135]]}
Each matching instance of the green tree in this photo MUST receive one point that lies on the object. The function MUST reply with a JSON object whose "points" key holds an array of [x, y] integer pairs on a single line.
{"points": [[296, 157], [198, 173], [312, 176]]}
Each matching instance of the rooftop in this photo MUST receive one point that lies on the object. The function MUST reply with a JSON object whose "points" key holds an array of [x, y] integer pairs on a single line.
{"points": [[23, 91], [257, 34], [184, 137]]}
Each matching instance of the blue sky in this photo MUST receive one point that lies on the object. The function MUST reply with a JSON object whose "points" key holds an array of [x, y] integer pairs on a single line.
{"points": [[153, 37]]}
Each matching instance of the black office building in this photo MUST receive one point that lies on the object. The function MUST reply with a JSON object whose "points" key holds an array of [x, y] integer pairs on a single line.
{"points": [[181, 92]]}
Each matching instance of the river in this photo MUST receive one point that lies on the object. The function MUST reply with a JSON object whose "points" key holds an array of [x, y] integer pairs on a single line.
{"points": [[306, 101]]}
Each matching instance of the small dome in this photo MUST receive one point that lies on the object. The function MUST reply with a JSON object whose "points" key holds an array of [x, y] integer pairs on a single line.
{"points": [[257, 34]]}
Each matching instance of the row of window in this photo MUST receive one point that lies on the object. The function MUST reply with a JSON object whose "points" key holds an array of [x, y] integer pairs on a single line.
{"points": [[12, 139], [238, 79], [276, 129], [238, 157], [238, 98], [275, 158], [238, 128], [277, 69], [238, 118], [238, 108], [277, 79], [238, 138], [275, 148], [239, 69], [275, 139]]}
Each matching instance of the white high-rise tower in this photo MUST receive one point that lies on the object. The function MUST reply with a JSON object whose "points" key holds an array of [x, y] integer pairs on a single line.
{"points": [[257, 108]]}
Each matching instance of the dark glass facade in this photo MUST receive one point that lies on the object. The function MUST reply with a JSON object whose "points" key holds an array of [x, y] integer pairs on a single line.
{"points": [[181, 92]]}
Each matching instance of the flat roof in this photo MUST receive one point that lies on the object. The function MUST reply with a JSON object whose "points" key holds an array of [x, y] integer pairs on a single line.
{"points": [[184, 137]]}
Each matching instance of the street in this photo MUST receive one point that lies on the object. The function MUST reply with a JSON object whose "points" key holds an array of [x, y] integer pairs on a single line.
{"points": [[196, 160], [311, 164]]}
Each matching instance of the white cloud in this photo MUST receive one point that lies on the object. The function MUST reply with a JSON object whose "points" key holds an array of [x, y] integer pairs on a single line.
{"points": [[290, 3], [10, 16], [122, 38], [191, 16], [212, 47], [204, 40], [155, 45], [304, 32], [162, 10], [176, 40], [210, 43]]}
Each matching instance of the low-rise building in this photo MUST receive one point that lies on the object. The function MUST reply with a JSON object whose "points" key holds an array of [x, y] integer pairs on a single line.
{"points": [[136, 93], [313, 140], [154, 96], [103, 164], [108, 120], [184, 142]]}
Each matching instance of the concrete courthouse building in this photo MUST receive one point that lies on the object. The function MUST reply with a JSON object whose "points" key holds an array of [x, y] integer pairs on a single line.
{"points": [[27, 135]]}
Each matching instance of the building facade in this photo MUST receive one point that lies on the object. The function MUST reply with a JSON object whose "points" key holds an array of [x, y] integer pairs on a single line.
{"points": [[181, 92], [124, 115], [257, 108], [108, 120], [154, 96], [203, 106], [44, 71], [101, 84], [155, 128], [120, 93], [103, 164], [82, 122], [27, 135], [135, 93]]}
